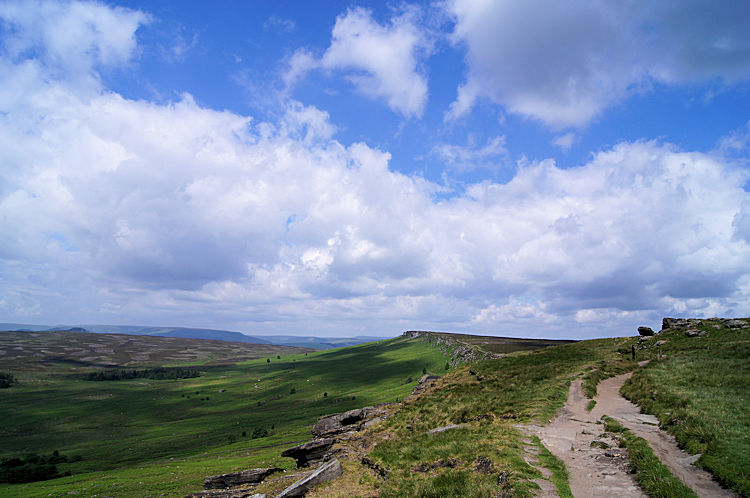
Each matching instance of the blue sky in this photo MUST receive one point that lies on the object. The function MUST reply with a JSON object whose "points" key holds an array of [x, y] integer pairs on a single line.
{"points": [[556, 169]]}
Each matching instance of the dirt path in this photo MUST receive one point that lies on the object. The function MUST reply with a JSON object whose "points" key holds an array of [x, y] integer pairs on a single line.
{"points": [[680, 463], [569, 436], [598, 471]]}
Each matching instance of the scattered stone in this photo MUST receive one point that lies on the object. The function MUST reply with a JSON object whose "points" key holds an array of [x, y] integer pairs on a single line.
{"points": [[645, 331], [252, 476], [660, 343], [381, 471], [611, 454], [447, 428], [425, 382], [484, 465], [226, 493], [695, 333], [326, 472], [737, 324], [502, 478], [440, 464], [310, 452]]}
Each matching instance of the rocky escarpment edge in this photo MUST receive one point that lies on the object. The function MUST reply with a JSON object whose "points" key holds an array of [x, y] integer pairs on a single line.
{"points": [[459, 352]]}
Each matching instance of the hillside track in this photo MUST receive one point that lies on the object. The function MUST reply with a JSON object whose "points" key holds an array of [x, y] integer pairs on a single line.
{"points": [[596, 471], [610, 402]]}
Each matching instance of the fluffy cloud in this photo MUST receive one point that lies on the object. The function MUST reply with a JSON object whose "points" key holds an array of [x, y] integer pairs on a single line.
{"points": [[381, 61], [564, 62], [72, 39], [492, 154], [117, 210]]}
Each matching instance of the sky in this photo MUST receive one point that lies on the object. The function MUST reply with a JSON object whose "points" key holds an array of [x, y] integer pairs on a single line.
{"points": [[563, 168]]}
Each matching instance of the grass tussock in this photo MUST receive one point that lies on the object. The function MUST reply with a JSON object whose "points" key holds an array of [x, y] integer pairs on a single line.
{"points": [[699, 392], [653, 476]]}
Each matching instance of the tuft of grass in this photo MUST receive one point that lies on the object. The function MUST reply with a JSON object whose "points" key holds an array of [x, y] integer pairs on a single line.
{"points": [[653, 476], [591, 405], [700, 395]]}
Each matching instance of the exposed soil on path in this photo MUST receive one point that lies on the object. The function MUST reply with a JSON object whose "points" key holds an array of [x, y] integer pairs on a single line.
{"points": [[610, 402], [570, 434]]}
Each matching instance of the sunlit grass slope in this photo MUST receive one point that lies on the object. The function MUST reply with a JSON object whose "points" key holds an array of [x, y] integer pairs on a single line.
{"points": [[146, 437]]}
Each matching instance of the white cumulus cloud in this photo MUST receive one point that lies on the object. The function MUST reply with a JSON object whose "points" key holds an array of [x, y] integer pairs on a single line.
{"points": [[564, 62], [381, 61]]}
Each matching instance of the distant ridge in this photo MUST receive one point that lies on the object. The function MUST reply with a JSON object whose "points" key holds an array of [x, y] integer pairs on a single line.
{"points": [[197, 333]]}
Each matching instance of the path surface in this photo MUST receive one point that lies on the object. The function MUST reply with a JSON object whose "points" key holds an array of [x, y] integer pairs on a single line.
{"points": [[680, 463], [570, 433]]}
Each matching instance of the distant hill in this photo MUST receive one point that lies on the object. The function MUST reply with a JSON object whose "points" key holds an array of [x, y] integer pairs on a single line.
{"points": [[196, 333], [319, 342]]}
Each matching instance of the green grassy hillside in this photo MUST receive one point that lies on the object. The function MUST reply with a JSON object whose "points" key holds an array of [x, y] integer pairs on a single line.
{"points": [[700, 391], [144, 437]]}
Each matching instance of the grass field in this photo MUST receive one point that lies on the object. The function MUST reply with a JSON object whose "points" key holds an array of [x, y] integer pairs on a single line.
{"points": [[144, 437]]}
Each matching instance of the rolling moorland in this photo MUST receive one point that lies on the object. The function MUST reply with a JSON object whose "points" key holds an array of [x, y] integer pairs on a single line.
{"points": [[161, 437]]}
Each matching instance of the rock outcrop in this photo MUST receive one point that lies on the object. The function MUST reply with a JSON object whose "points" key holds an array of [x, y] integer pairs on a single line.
{"points": [[252, 476], [310, 452], [670, 324], [459, 352], [339, 423], [425, 382], [326, 472]]}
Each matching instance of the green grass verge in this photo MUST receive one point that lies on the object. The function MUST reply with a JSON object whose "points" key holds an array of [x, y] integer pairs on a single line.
{"points": [[653, 476], [559, 472], [700, 394]]}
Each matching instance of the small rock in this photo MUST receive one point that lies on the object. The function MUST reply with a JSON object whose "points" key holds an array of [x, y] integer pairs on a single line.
{"points": [[447, 428], [645, 331], [502, 478], [483, 465], [660, 343], [325, 472], [611, 454], [695, 333]]}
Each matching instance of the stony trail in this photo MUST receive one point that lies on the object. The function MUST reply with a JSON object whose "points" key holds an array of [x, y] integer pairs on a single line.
{"points": [[572, 430], [610, 402]]}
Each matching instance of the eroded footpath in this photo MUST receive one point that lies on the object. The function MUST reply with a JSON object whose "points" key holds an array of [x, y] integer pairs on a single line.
{"points": [[596, 466]]}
